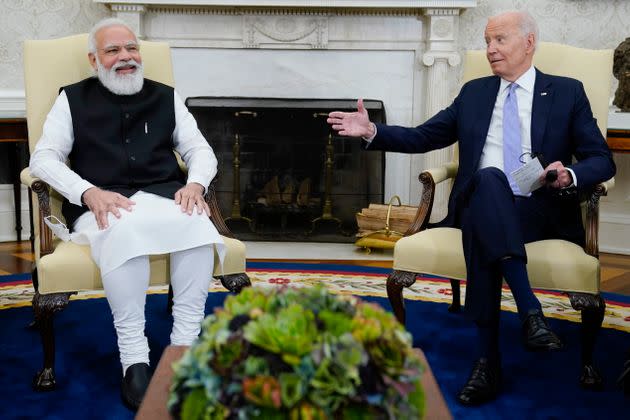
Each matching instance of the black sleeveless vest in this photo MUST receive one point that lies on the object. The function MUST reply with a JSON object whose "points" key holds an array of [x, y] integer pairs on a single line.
{"points": [[123, 143]]}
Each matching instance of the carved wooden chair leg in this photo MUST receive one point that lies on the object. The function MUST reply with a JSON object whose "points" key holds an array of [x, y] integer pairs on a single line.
{"points": [[235, 282], [456, 304], [169, 302], [33, 324], [592, 308], [45, 307], [395, 283]]}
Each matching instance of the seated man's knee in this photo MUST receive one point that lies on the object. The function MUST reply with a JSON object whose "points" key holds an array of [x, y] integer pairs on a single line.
{"points": [[492, 175]]}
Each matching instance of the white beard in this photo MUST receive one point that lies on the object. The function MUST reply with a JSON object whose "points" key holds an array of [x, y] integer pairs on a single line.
{"points": [[121, 84]]}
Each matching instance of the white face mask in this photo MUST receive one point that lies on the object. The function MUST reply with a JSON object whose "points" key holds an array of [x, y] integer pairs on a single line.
{"points": [[60, 230], [121, 84]]}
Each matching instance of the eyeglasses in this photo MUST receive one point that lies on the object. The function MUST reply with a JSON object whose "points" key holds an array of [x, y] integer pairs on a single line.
{"points": [[526, 157], [112, 50]]}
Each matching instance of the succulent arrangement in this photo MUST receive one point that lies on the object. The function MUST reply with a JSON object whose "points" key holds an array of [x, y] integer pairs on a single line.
{"points": [[289, 353]]}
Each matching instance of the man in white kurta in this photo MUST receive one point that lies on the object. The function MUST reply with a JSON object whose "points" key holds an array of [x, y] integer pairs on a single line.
{"points": [[143, 210]]}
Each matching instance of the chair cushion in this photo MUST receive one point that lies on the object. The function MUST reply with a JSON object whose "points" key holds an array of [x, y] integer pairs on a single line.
{"points": [[71, 268], [552, 264]]}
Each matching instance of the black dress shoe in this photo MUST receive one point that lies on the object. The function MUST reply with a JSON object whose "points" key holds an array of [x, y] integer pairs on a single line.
{"points": [[537, 336], [483, 385], [135, 384]]}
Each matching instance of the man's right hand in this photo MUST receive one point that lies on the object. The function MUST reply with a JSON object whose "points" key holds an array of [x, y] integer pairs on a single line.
{"points": [[353, 124], [101, 202]]}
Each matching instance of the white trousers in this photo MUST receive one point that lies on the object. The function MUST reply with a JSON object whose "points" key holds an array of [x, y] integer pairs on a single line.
{"points": [[126, 289]]}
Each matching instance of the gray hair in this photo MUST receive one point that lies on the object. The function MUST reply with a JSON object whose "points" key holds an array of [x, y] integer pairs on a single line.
{"points": [[526, 23], [102, 24]]}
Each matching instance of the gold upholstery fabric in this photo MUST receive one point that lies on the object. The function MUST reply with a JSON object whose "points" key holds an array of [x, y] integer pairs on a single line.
{"points": [[54, 269], [552, 264]]}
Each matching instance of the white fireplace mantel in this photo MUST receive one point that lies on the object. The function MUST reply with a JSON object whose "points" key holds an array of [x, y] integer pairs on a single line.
{"points": [[402, 52], [364, 4]]}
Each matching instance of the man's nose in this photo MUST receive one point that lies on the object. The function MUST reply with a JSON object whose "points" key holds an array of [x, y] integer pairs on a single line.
{"points": [[124, 55]]}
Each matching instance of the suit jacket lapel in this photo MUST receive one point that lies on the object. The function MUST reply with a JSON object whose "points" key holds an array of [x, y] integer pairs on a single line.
{"points": [[485, 104], [541, 103]]}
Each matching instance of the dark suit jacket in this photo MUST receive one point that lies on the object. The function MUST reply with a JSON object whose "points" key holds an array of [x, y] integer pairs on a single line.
{"points": [[562, 127]]}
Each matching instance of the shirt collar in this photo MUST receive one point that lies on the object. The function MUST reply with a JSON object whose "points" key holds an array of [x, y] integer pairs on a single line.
{"points": [[526, 81]]}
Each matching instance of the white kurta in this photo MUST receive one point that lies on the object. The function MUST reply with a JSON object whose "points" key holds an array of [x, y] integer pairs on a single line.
{"points": [[156, 225]]}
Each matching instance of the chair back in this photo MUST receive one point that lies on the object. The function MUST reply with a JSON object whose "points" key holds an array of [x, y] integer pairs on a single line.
{"points": [[52, 64]]}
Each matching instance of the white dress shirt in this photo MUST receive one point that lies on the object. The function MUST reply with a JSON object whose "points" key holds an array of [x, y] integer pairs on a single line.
{"points": [[492, 153]]}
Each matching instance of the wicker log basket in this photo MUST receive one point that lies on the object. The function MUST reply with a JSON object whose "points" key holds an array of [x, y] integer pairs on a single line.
{"points": [[381, 225]]}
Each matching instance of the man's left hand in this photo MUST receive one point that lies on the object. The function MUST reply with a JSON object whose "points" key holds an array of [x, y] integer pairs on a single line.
{"points": [[564, 176], [190, 196]]}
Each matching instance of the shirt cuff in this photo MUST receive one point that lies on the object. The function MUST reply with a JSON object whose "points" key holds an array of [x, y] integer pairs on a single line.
{"points": [[77, 191], [369, 139], [198, 181], [573, 177]]}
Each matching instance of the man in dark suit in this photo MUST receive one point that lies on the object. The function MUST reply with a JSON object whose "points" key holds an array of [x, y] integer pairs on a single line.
{"points": [[497, 121]]}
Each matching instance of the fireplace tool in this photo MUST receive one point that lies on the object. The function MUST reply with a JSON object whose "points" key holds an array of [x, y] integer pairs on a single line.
{"points": [[236, 165], [328, 173]]}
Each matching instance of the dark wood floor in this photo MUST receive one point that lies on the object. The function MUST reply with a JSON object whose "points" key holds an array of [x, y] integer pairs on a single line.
{"points": [[16, 257]]}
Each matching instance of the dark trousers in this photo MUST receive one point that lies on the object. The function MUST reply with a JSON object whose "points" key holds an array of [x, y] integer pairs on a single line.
{"points": [[495, 224]]}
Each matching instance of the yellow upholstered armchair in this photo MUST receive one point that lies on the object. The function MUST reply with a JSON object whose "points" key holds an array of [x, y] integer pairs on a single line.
{"points": [[552, 264], [64, 268]]}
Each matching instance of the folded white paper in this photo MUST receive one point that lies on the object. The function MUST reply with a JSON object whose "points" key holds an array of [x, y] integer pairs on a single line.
{"points": [[527, 177]]}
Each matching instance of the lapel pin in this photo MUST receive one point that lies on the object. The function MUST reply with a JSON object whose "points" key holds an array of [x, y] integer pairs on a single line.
{"points": [[543, 93]]}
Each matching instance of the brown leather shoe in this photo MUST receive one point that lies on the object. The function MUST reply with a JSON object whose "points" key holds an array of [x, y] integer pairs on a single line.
{"points": [[537, 335], [135, 384], [483, 385]]}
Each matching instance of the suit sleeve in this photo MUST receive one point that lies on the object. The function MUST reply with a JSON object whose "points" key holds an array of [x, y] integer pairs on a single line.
{"points": [[436, 133], [594, 159]]}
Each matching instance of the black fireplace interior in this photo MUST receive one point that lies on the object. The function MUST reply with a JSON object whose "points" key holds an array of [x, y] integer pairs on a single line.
{"points": [[283, 174]]}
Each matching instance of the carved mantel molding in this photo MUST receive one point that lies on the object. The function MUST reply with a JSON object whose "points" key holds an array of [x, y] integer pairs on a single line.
{"points": [[339, 6]]}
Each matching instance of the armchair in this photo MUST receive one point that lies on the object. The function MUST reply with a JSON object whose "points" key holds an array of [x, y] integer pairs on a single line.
{"points": [[64, 268], [552, 264]]}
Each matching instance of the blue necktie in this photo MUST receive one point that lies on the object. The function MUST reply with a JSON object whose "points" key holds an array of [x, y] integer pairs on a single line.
{"points": [[512, 149]]}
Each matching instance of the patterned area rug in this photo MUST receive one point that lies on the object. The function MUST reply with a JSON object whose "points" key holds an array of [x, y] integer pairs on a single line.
{"points": [[17, 291]]}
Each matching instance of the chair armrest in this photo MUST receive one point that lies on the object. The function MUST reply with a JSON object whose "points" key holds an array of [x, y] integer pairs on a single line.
{"points": [[592, 216], [215, 210], [42, 191], [429, 179]]}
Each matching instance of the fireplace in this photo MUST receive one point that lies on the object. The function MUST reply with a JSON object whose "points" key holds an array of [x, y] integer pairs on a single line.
{"points": [[283, 174]]}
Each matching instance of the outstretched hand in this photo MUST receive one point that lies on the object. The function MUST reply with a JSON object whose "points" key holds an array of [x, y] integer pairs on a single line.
{"points": [[190, 196], [353, 124], [101, 202]]}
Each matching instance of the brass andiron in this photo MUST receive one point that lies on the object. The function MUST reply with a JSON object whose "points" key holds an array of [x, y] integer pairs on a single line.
{"points": [[236, 187], [327, 210]]}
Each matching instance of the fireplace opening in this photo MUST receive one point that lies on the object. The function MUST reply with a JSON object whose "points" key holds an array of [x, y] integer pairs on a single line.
{"points": [[283, 174]]}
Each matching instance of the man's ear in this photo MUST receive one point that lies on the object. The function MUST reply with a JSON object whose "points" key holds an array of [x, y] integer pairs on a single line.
{"points": [[92, 58], [531, 43]]}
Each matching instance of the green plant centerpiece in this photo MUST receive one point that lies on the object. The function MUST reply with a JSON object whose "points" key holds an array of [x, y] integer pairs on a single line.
{"points": [[288, 353]]}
